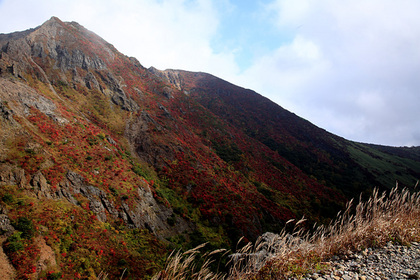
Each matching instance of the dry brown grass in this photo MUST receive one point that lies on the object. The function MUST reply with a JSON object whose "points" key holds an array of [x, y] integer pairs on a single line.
{"points": [[393, 216], [182, 266]]}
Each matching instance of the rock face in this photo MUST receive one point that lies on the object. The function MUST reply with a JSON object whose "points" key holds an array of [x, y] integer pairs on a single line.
{"points": [[20, 98], [171, 76], [143, 211], [147, 213], [115, 90], [136, 131], [10, 175], [6, 227]]}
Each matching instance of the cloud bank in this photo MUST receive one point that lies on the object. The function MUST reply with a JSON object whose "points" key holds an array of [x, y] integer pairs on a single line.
{"points": [[352, 67]]}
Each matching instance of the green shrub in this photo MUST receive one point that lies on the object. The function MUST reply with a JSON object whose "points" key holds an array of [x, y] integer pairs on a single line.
{"points": [[54, 275], [113, 190], [171, 220], [14, 243], [26, 226], [108, 157], [8, 198], [122, 262]]}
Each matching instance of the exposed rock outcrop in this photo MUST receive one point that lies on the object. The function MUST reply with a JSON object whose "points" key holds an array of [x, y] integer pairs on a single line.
{"points": [[170, 76], [91, 82], [116, 92], [6, 227], [20, 98], [11, 175], [137, 133], [143, 211], [5, 112], [99, 202], [147, 213]]}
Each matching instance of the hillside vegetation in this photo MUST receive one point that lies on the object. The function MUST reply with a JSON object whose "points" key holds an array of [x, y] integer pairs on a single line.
{"points": [[386, 217], [106, 166]]}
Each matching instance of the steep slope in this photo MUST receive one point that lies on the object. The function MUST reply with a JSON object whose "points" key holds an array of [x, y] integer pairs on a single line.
{"points": [[348, 166], [113, 165], [65, 168]]}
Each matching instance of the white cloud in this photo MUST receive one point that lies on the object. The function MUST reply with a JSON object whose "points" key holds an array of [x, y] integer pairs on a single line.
{"points": [[290, 12], [352, 67]]}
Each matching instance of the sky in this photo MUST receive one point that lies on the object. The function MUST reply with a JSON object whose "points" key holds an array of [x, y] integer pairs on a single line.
{"points": [[351, 67]]}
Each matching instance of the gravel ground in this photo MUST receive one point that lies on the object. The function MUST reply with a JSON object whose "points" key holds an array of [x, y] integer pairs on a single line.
{"points": [[390, 262]]}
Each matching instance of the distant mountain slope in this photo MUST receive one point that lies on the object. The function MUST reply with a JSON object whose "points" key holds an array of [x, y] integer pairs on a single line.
{"points": [[115, 164], [339, 163]]}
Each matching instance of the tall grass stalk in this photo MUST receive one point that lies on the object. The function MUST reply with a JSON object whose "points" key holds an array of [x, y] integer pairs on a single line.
{"points": [[393, 216], [182, 266]]}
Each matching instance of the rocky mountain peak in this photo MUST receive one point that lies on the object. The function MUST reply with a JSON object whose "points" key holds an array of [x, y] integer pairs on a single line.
{"points": [[53, 22], [65, 53]]}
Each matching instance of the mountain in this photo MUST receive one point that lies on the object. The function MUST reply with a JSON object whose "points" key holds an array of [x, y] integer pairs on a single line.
{"points": [[106, 166]]}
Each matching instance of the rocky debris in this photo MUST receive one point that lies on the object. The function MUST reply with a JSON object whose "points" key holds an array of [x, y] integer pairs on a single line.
{"points": [[6, 227], [390, 262], [111, 141]]}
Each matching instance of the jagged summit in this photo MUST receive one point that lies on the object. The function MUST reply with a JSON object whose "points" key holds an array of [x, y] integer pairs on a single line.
{"points": [[48, 38], [72, 53], [53, 22]]}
